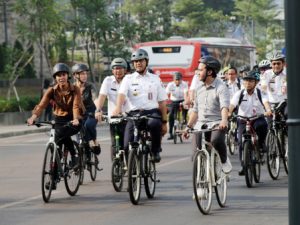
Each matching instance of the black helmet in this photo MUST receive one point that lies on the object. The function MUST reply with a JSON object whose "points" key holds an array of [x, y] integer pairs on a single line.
{"points": [[60, 67], [211, 63], [119, 62], [252, 75], [78, 67], [244, 68], [177, 76], [139, 54]]}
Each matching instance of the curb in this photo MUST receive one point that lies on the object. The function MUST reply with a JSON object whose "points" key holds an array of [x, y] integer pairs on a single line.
{"points": [[23, 132]]}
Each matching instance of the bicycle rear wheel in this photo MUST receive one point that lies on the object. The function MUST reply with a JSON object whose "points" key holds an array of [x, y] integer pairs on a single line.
{"points": [[273, 155], [256, 165], [175, 135], [117, 174], [231, 142], [48, 173], [221, 182], [93, 165], [134, 177], [248, 166], [150, 176], [71, 174], [202, 183], [284, 151]]}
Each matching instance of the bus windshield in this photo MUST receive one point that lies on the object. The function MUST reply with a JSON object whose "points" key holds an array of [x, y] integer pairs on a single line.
{"points": [[170, 55]]}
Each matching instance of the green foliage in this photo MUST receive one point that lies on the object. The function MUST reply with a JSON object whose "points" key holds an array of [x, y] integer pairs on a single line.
{"points": [[26, 103]]}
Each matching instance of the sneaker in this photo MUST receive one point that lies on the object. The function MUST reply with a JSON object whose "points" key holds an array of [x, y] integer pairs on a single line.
{"points": [[96, 149], [227, 167], [242, 172], [156, 157]]}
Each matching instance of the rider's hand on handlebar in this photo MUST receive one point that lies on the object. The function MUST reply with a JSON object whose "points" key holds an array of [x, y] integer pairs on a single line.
{"points": [[223, 125], [75, 122], [30, 120], [268, 113], [98, 116]]}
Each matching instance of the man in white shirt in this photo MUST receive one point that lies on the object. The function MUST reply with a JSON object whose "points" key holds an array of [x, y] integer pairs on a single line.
{"points": [[250, 102], [176, 89], [145, 95], [233, 82], [109, 89]]}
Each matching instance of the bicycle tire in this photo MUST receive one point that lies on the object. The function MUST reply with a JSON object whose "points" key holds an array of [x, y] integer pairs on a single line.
{"points": [[81, 160], [150, 176], [134, 176], [273, 155], [248, 164], [93, 165], [71, 174], [231, 142], [284, 151], [256, 165], [221, 182], [202, 185], [117, 174], [175, 134], [48, 173], [181, 127]]}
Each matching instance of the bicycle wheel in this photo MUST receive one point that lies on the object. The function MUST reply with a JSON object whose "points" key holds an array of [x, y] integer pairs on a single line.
{"points": [[256, 165], [134, 177], [117, 174], [273, 155], [248, 167], [48, 173], [231, 142], [71, 174], [284, 151], [175, 134], [181, 127], [150, 176], [202, 183], [81, 160], [93, 165], [221, 182]]}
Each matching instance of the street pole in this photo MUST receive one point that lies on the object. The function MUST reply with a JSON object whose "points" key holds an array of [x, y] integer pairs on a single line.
{"points": [[292, 35], [5, 21]]}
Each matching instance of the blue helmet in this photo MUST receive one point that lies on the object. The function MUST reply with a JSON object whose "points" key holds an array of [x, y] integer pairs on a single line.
{"points": [[252, 75]]}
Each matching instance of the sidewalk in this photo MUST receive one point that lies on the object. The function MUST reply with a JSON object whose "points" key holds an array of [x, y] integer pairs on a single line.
{"points": [[21, 129]]}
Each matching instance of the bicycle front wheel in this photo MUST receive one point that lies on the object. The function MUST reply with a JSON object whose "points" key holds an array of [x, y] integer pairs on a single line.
{"points": [[202, 182], [273, 155], [48, 173], [248, 166], [221, 182], [117, 174], [81, 160], [71, 174], [93, 165], [150, 176], [134, 177], [231, 142], [256, 165], [175, 135]]}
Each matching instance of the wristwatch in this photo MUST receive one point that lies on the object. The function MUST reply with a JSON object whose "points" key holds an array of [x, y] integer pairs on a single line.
{"points": [[98, 110]]}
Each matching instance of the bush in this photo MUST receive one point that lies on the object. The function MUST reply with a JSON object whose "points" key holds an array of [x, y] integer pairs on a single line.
{"points": [[26, 103]]}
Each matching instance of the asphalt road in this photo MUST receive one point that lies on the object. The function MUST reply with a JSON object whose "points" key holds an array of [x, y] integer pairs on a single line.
{"points": [[98, 203]]}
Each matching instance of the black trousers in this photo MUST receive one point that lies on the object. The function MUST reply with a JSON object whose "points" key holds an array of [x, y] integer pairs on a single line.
{"points": [[174, 109], [117, 128], [154, 126]]}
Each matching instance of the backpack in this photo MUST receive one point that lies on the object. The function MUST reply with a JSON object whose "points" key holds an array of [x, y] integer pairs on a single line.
{"points": [[258, 95]]}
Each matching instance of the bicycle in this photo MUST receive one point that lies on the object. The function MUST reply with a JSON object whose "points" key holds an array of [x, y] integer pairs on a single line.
{"points": [[140, 162], [56, 166], [179, 123], [88, 159], [208, 174], [251, 156], [277, 141], [231, 139], [119, 165]]}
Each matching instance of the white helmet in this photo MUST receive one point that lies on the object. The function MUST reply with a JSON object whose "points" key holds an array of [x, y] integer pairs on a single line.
{"points": [[264, 64]]}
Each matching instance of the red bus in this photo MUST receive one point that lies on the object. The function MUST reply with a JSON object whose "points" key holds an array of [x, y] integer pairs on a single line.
{"points": [[183, 55]]}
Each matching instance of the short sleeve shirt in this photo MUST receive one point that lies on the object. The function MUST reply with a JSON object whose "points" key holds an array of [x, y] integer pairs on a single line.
{"points": [[143, 91], [250, 104], [110, 88], [177, 92], [210, 100]]}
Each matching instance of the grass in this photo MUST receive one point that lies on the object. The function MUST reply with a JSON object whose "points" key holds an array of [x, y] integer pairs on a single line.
{"points": [[27, 91]]}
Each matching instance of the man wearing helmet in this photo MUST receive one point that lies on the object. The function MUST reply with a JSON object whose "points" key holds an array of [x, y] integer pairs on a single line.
{"points": [[109, 89], [211, 104], [250, 102], [145, 95], [67, 108], [80, 74], [177, 90]]}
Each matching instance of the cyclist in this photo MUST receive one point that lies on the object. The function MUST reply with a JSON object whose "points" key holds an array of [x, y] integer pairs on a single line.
{"points": [[68, 107], [250, 102], [263, 66], [176, 89], [243, 70], [145, 95], [275, 80], [80, 74], [211, 104], [233, 81], [224, 74], [109, 89]]}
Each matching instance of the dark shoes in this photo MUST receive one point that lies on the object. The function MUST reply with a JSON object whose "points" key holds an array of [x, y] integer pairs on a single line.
{"points": [[242, 172], [96, 149], [74, 161], [170, 137], [156, 157]]}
